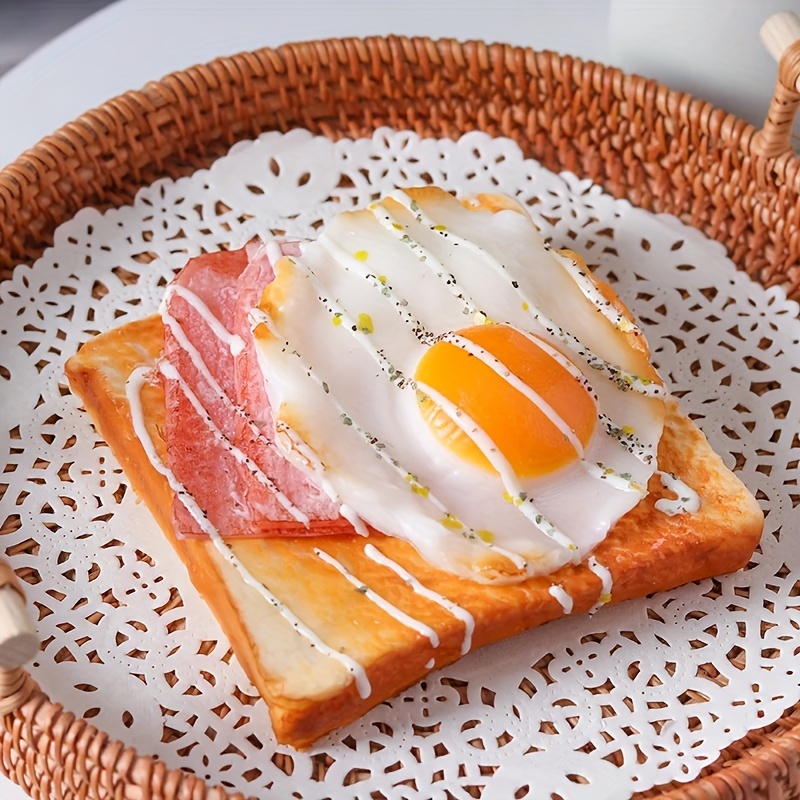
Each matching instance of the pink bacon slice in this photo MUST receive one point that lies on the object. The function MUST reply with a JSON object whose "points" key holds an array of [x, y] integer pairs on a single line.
{"points": [[219, 423]]}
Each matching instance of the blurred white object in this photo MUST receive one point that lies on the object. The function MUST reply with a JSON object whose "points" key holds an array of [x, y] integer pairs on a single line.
{"points": [[710, 48]]}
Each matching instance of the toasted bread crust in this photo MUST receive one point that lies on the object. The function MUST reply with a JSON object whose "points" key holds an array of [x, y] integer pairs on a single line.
{"points": [[645, 551]]}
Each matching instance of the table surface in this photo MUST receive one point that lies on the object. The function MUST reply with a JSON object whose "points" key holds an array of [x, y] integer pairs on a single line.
{"points": [[130, 42]]}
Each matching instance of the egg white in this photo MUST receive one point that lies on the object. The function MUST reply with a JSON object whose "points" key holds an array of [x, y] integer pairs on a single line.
{"points": [[341, 331]]}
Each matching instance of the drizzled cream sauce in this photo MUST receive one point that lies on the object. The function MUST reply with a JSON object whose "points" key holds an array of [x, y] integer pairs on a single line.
{"points": [[565, 601], [457, 611], [582, 280], [233, 341], [169, 371], [533, 397], [342, 317], [606, 581], [493, 455], [403, 618], [298, 447], [687, 500], [399, 309], [380, 284], [133, 390], [591, 292]]}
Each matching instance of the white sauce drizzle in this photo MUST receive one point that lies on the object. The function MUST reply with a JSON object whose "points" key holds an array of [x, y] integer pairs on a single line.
{"points": [[169, 371], [335, 309], [560, 359], [493, 455], [623, 379], [606, 580], [197, 360], [297, 447], [358, 524], [598, 471], [378, 447], [457, 611], [504, 372], [621, 481], [383, 452], [233, 341], [425, 256], [133, 389], [592, 293], [566, 602], [351, 263], [627, 441], [687, 501], [382, 603], [275, 252]]}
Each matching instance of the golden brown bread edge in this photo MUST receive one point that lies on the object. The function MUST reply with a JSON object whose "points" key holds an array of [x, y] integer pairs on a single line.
{"points": [[646, 551]]}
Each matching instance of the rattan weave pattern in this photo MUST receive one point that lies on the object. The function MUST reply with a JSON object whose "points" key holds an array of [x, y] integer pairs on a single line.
{"points": [[662, 150]]}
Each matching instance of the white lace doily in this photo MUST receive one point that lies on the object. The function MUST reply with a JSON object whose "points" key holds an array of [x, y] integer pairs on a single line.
{"points": [[590, 707]]}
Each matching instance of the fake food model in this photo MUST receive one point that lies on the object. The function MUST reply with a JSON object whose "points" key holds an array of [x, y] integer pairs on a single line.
{"points": [[422, 432]]}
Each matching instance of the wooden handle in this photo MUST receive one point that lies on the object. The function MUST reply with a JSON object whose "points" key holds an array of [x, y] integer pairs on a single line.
{"points": [[780, 31], [18, 640], [781, 36]]}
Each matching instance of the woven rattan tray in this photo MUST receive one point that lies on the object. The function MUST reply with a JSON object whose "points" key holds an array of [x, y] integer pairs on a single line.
{"points": [[662, 150]]}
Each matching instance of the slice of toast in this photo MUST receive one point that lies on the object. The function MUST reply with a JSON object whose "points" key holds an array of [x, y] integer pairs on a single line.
{"points": [[367, 649]]}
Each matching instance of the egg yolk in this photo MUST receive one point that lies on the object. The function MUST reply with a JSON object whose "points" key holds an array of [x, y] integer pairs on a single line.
{"points": [[525, 436]]}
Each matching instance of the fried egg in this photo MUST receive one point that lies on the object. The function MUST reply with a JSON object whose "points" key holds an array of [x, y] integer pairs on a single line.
{"points": [[452, 380]]}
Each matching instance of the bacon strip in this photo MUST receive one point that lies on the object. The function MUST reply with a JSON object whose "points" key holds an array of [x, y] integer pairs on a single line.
{"points": [[219, 422]]}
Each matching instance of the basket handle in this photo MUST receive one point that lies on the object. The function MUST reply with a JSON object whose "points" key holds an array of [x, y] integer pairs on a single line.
{"points": [[18, 640], [781, 36]]}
